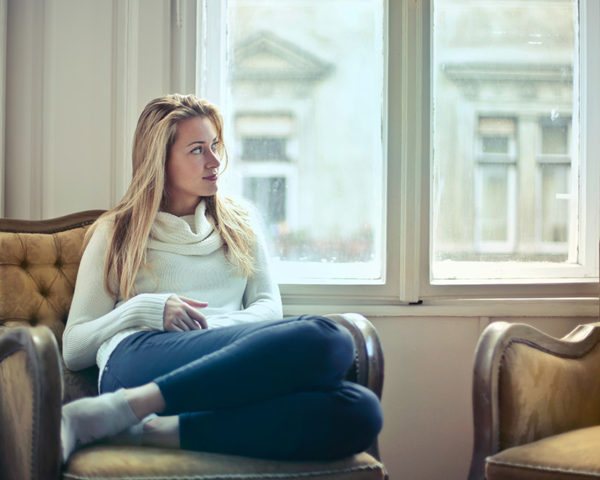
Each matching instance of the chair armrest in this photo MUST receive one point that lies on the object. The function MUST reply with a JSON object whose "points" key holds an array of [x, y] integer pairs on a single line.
{"points": [[30, 403], [368, 368], [528, 385]]}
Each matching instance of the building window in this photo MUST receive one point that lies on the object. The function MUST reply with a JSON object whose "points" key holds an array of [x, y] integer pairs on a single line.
{"points": [[269, 195], [553, 186], [495, 185]]}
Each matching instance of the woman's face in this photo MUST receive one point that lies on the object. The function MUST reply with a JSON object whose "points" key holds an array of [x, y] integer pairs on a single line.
{"points": [[192, 165]]}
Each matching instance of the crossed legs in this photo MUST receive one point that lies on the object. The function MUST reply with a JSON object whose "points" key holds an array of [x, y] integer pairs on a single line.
{"points": [[270, 389]]}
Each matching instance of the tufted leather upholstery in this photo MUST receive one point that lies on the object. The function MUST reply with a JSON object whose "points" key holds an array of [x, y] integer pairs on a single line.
{"points": [[536, 404], [38, 269], [37, 275]]}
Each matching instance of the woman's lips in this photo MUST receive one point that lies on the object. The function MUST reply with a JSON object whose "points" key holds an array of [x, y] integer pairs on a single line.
{"points": [[211, 178]]}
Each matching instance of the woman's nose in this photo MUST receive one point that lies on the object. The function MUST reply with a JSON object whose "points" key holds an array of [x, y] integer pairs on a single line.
{"points": [[214, 160]]}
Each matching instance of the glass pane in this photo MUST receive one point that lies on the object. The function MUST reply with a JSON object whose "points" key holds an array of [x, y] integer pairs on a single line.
{"points": [[555, 204], [268, 195], [494, 144], [305, 115], [263, 148], [493, 203], [502, 101], [555, 139]]}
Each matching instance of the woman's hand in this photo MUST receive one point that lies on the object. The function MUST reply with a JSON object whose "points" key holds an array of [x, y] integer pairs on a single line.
{"points": [[181, 314]]}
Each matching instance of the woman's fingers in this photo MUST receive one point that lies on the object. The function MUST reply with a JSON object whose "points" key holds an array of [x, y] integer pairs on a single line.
{"points": [[196, 316], [194, 303], [187, 319], [173, 327], [181, 314], [191, 307]]}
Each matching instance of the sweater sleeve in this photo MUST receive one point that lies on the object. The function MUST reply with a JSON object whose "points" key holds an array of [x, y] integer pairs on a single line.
{"points": [[93, 318], [261, 300]]}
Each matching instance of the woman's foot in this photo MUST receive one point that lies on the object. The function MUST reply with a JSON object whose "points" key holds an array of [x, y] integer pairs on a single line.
{"points": [[152, 431], [93, 418], [161, 432]]}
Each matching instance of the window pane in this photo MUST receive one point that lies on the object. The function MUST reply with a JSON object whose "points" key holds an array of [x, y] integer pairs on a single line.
{"points": [[495, 144], [555, 205], [304, 102], [555, 139], [502, 134], [493, 204], [268, 194], [263, 148]]}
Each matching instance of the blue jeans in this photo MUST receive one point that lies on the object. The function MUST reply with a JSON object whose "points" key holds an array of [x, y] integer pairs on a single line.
{"points": [[267, 389]]}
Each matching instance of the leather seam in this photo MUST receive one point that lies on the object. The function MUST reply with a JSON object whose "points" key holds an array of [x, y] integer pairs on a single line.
{"points": [[542, 467], [233, 476]]}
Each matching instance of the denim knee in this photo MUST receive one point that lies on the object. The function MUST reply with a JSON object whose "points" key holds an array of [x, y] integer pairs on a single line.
{"points": [[358, 417], [330, 341]]}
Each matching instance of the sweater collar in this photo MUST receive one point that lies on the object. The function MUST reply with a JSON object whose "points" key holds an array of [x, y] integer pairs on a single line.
{"points": [[177, 235]]}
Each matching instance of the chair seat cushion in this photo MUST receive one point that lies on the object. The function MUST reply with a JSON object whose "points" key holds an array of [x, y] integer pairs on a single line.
{"points": [[570, 455], [108, 462]]}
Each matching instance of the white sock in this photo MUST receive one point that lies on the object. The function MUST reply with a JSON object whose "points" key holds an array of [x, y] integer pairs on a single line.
{"points": [[131, 436], [94, 418]]}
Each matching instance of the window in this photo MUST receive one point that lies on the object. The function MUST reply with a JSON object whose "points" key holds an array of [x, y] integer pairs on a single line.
{"points": [[507, 71], [307, 114], [443, 149]]}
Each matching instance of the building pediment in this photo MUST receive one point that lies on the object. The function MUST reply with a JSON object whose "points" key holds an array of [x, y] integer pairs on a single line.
{"points": [[267, 57], [504, 81], [508, 72]]}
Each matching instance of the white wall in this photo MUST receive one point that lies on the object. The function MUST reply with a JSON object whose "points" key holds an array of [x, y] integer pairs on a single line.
{"points": [[78, 74]]}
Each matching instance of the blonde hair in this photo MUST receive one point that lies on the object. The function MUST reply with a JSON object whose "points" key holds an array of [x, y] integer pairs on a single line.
{"points": [[132, 218]]}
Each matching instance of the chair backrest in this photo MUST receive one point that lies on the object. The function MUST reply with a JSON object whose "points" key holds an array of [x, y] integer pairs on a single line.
{"points": [[38, 267]]}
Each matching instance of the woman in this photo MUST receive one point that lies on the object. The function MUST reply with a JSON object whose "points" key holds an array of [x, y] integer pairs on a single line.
{"points": [[175, 303]]}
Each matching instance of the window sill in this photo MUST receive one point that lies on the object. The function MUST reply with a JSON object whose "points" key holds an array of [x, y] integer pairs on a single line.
{"points": [[484, 307]]}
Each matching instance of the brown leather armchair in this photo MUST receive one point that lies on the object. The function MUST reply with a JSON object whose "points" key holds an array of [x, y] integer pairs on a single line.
{"points": [[536, 404], [38, 267]]}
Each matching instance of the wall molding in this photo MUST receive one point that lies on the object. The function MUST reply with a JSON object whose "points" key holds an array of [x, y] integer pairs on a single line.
{"points": [[38, 111], [3, 39], [124, 93], [45, 184], [183, 46]]}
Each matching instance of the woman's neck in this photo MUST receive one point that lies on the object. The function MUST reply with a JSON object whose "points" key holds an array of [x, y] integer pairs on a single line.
{"points": [[180, 209]]}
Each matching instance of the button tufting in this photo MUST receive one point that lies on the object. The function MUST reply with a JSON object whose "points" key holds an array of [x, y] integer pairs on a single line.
{"points": [[44, 292], [59, 263], [24, 264]]}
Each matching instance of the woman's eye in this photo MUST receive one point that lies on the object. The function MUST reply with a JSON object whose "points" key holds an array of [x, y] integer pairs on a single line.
{"points": [[197, 150], [214, 147]]}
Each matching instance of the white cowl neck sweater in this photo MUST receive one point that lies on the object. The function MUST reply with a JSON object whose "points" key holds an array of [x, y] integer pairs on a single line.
{"points": [[185, 256]]}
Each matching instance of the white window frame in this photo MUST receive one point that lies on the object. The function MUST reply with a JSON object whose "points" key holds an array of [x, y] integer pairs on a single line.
{"points": [[407, 144], [560, 280]]}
